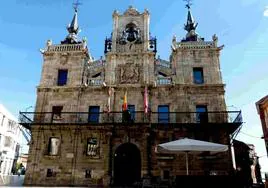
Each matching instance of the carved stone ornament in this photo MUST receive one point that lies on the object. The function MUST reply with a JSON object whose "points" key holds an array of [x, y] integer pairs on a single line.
{"points": [[215, 38], [131, 11], [129, 73]]}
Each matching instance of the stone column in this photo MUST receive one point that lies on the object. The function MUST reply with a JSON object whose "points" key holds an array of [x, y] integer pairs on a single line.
{"points": [[115, 30], [146, 29], [146, 73]]}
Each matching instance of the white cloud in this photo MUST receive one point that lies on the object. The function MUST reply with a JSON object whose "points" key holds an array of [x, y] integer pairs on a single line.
{"points": [[265, 13]]}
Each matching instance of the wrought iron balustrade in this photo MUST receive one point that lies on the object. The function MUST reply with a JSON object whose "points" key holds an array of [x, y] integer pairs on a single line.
{"points": [[66, 47], [164, 81], [95, 81], [137, 117]]}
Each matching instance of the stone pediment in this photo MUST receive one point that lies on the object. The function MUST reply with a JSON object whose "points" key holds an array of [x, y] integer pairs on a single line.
{"points": [[131, 11]]}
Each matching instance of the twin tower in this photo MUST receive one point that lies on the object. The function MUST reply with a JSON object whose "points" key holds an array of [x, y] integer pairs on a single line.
{"points": [[130, 56]]}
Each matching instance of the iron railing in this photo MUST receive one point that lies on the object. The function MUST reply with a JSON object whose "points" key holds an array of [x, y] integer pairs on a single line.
{"points": [[30, 118], [95, 81], [164, 81], [65, 47]]}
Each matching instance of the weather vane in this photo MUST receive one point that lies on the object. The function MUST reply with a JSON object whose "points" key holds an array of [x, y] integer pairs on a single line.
{"points": [[189, 3], [76, 4]]}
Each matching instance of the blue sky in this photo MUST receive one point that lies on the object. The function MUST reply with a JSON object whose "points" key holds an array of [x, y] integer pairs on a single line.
{"points": [[242, 26]]}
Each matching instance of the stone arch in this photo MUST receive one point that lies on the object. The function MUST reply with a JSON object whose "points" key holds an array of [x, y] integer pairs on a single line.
{"points": [[126, 164]]}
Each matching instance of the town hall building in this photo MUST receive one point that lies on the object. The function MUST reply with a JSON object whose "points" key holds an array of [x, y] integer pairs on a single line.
{"points": [[98, 122]]}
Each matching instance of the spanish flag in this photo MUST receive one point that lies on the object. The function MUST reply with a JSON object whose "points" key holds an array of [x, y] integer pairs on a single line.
{"points": [[125, 102]]}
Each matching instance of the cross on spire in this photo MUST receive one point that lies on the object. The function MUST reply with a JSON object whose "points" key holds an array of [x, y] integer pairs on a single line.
{"points": [[76, 4], [189, 3]]}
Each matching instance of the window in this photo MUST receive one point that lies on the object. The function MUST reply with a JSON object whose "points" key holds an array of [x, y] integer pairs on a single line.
{"points": [[198, 75], [8, 142], [88, 173], [92, 147], [56, 112], [62, 77], [166, 174], [163, 114], [131, 109], [51, 173], [93, 115], [2, 122], [11, 127], [201, 114], [53, 146]]}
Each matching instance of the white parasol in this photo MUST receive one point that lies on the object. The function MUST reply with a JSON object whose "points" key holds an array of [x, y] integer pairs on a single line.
{"points": [[190, 145]]}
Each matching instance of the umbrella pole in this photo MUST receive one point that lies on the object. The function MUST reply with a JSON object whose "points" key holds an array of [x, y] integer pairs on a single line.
{"points": [[187, 171]]}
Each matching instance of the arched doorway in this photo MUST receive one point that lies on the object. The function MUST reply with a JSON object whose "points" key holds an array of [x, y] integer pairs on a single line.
{"points": [[127, 164]]}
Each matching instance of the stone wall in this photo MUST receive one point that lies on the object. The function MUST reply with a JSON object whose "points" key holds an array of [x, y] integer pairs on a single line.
{"points": [[70, 165]]}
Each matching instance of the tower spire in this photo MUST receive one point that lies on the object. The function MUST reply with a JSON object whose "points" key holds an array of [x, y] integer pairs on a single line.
{"points": [[190, 25], [73, 28]]}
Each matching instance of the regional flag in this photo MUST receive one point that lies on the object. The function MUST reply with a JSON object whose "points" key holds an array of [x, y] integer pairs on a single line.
{"points": [[125, 102]]}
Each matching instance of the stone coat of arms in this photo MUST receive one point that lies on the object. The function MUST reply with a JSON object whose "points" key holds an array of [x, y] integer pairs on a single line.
{"points": [[129, 73]]}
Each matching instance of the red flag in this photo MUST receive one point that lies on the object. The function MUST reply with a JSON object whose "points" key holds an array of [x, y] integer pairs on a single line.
{"points": [[145, 102], [125, 102]]}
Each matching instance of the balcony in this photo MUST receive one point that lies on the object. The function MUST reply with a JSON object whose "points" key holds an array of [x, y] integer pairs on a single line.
{"points": [[153, 119]]}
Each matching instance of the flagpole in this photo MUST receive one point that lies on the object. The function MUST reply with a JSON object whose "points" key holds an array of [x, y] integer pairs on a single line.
{"points": [[109, 99], [187, 171], [145, 99]]}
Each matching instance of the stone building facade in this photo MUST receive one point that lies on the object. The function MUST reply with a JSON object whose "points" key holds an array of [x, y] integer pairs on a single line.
{"points": [[262, 108], [81, 136], [10, 141]]}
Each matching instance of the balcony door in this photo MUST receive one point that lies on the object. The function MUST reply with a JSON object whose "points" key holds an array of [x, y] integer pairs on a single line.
{"points": [[163, 114], [201, 114], [131, 109], [93, 115]]}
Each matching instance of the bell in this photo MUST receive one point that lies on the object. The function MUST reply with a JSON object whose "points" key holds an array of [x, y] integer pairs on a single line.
{"points": [[109, 46]]}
